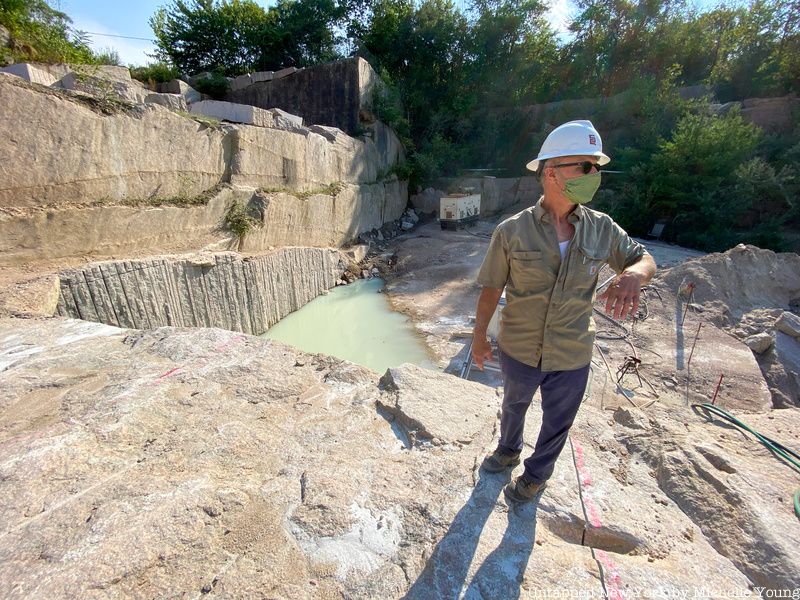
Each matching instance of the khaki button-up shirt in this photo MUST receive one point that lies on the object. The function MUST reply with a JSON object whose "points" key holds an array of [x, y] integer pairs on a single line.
{"points": [[548, 311]]}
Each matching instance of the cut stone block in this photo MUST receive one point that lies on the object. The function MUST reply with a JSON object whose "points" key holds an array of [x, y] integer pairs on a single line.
{"points": [[241, 82], [170, 101], [789, 324], [112, 72], [235, 113], [31, 73], [358, 252], [759, 343], [99, 87], [176, 86], [262, 76], [286, 119], [329, 133], [284, 72]]}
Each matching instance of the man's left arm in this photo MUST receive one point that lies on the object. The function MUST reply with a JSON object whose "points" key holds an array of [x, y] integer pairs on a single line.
{"points": [[635, 267]]}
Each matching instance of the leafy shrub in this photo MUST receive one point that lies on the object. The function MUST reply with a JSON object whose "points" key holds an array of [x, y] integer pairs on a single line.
{"points": [[402, 170], [239, 221], [216, 85], [388, 107], [693, 171], [43, 34], [155, 73]]}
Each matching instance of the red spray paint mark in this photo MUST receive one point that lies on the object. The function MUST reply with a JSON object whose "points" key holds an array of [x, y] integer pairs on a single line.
{"points": [[227, 344], [169, 373], [613, 581], [612, 577], [204, 359], [585, 481]]}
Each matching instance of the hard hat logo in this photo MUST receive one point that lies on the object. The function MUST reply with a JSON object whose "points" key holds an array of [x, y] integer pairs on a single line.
{"points": [[575, 138]]}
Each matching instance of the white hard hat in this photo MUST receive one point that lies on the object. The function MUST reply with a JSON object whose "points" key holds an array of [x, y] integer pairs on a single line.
{"points": [[571, 139]]}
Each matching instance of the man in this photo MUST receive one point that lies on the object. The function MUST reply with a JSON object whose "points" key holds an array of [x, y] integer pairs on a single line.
{"points": [[548, 258]]}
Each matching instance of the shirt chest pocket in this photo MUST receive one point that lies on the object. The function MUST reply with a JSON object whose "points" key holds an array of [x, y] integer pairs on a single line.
{"points": [[528, 271], [586, 267]]}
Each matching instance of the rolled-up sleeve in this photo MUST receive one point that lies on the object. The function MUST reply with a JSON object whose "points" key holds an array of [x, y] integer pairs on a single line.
{"points": [[494, 269], [624, 250]]}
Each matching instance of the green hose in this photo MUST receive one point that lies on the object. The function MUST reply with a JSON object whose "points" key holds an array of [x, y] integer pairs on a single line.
{"points": [[782, 451]]}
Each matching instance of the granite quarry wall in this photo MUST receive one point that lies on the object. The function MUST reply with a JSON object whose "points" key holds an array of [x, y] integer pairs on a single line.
{"points": [[318, 220], [62, 149], [87, 176], [217, 290], [98, 169], [336, 94], [333, 94], [497, 193]]}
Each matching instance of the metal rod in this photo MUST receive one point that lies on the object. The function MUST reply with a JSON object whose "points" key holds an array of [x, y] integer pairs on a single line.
{"points": [[606, 282], [697, 335], [719, 384], [621, 389], [466, 366], [690, 285]]}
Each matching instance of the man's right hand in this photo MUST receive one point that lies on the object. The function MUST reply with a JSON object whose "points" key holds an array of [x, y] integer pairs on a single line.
{"points": [[481, 350]]}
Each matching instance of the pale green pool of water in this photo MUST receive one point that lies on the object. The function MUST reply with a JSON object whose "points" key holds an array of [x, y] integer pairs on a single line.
{"points": [[354, 322]]}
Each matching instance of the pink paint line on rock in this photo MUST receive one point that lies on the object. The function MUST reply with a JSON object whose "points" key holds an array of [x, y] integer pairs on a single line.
{"points": [[585, 481], [612, 578], [227, 344], [203, 360], [169, 373], [613, 581]]}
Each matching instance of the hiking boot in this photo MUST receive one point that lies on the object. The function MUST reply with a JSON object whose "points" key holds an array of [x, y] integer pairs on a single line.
{"points": [[523, 489], [498, 461]]}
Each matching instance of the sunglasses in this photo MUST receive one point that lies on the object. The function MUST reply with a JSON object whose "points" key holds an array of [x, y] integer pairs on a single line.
{"points": [[585, 165]]}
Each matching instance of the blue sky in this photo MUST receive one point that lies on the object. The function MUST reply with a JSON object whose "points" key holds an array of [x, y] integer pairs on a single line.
{"points": [[121, 18], [130, 18]]}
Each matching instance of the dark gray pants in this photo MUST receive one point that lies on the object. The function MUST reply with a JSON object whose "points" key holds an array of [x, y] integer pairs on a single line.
{"points": [[562, 393]]}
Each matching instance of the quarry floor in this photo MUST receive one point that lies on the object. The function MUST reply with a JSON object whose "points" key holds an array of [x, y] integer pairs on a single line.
{"points": [[252, 469], [434, 284]]}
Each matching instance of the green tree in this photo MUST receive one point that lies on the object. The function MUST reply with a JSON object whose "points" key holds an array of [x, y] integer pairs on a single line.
{"points": [[236, 36], [693, 178], [513, 51], [422, 50], [616, 41], [301, 33], [513, 60], [743, 67], [785, 55], [43, 33], [204, 35]]}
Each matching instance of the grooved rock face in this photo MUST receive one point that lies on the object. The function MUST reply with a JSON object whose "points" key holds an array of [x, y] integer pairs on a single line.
{"points": [[182, 462], [202, 290]]}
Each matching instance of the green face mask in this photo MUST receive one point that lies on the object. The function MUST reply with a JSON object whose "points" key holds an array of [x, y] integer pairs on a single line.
{"points": [[582, 189]]}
